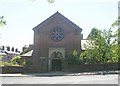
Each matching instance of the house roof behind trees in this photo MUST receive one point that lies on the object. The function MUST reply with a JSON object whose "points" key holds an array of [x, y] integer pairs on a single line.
{"points": [[28, 54]]}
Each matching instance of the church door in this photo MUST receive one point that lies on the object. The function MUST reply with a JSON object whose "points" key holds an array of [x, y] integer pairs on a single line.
{"points": [[56, 65], [56, 61]]}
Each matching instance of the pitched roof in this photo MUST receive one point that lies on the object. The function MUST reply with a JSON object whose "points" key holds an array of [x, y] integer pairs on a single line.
{"points": [[8, 52], [11, 52], [2, 53], [28, 54], [63, 18]]}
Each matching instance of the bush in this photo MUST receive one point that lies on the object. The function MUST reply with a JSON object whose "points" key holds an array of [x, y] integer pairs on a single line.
{"points": [[7, 64], [73, 58], [16, 60]]}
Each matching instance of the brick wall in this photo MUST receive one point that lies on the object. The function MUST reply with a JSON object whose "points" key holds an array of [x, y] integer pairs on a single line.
{"points": [[12, 69], [90, 67], [43, 41]]}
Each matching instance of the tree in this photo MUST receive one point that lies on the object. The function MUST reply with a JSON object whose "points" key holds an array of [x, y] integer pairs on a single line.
{"points": [[105, 47], [51, 1], [73, 58], [2, 21], [110, 45], [96, 53], [116, 24], [93, 34]]}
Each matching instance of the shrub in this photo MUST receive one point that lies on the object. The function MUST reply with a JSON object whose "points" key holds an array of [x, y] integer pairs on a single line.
{"points": [[16, 60], [28, 62], [73, 58]]}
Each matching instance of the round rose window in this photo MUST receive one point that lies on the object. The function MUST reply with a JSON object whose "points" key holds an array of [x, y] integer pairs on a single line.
{"points": [[57, 34]]}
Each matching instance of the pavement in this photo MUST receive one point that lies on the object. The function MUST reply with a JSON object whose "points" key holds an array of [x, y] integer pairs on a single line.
{"points": [[57, 73]]}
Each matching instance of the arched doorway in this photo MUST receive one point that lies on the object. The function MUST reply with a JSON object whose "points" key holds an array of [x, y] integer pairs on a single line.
{"points": [[56, 61]]}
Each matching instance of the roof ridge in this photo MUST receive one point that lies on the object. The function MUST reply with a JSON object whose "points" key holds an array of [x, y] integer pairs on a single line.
{"points": [[61, 16]]}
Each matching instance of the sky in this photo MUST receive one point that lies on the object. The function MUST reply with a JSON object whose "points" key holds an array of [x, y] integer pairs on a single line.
{"points": [[23, 15]]}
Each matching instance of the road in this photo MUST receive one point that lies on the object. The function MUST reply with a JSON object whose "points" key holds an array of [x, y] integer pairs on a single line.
{"points": [[82, 79]]}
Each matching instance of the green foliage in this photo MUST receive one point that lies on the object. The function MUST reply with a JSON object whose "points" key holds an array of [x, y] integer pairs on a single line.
{"points": [[93, 34], [89, 56], [8, 64], [51, 1], [105, 48], [2, 21], [73, 58], [116, 23], [16, 60]]}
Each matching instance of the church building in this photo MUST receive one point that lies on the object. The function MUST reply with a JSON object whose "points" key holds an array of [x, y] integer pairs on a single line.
{"points": [[53, 39]]}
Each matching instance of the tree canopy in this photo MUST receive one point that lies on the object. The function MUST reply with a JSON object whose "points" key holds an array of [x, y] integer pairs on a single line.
{"points": [[105, 46], [93, 34]]}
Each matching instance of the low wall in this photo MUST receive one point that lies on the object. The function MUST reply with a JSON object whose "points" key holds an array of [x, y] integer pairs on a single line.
{"points": [[35, 69], [67, 68], [12, 69], [90, 67]]}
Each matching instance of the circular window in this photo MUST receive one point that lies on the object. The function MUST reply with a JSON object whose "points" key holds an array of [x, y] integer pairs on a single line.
{"points": [[57, 34]]}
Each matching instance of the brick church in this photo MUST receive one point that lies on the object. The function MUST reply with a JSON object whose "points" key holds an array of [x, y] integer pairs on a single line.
{"points": [[53, 39]]}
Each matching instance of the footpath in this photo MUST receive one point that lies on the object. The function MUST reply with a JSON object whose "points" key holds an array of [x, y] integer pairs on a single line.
{"points": [[57, 73]]}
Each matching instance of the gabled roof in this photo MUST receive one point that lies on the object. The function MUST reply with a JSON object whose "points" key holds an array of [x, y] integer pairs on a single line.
{"points": [[28, 54], [63, 18]]}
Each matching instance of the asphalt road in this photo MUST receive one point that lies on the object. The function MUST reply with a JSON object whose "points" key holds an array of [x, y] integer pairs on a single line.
{"points": [[83, 79]]}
